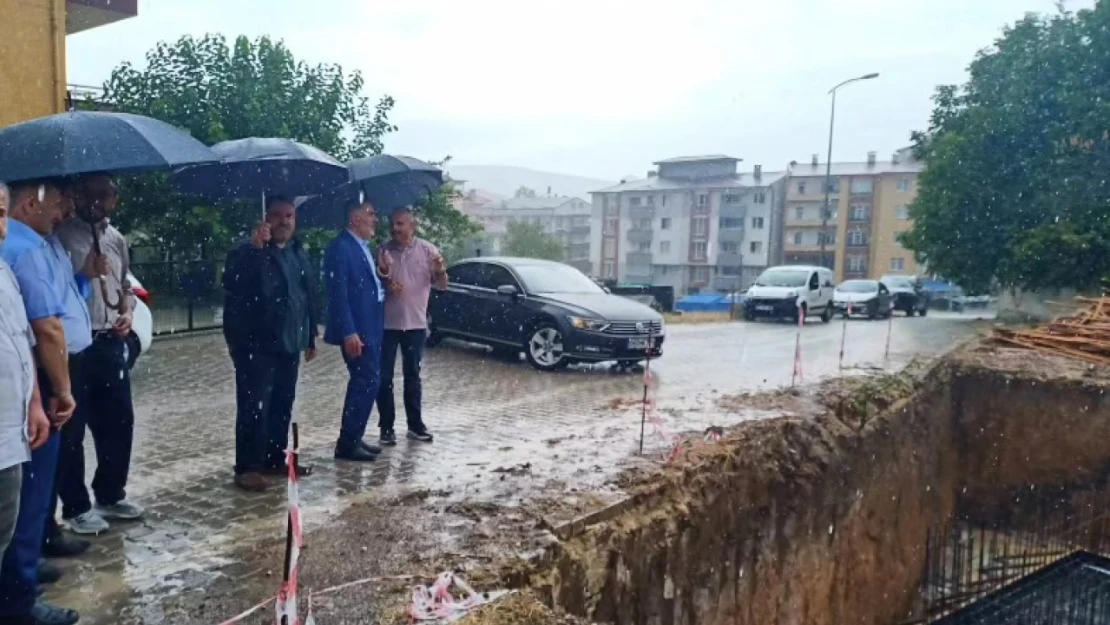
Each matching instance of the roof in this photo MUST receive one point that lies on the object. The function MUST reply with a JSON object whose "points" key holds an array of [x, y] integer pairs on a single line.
{"points": [[514, 261], [695, 159], [536, 203], [660, 183], [861, 168]]}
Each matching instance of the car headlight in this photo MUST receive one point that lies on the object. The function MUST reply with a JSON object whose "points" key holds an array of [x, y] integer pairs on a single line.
{"points": [[792, 294], [583, 323]]}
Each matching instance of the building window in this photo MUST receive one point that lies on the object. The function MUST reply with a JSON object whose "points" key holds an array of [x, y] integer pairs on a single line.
{"points": [[834, 185], [759, 198], [857, 264], [732, 198], [729, 248], [898, 264], [664, 200], [665, 222], [634, 201], [859, 212], [613, 207], [664, 247], [828, 237], [699, 250], [801, 187], [797, 238], [731, 271], [732, 223], [609, 249], [699, 274], [902, 212], [607, 270], [700, 226], [703, 200], [610, 226], [756, 247], [643, 223], [862, 185], [757, 223], [903, 185], [799, 213], [644, 246], [651, 200], [857, 237]]}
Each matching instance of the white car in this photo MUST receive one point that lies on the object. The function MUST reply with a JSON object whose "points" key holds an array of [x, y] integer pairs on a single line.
{"points": [[143, 322], [782, 291]]}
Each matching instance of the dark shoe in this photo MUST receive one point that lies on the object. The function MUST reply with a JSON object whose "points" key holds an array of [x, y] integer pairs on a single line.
{"points": [[354, 452], [424, 436], [49, 573], [46, 614], [283, 470], [64, 546], [251, 482], [374, 449], [388, 438]]}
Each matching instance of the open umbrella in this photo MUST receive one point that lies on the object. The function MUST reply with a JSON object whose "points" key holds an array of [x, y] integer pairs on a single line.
{"points": [[261, 167], [84, 142], [386, 181]]}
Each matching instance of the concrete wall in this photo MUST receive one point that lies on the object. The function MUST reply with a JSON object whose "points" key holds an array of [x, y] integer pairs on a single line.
{"points": [[32, 59], [886, 225]]}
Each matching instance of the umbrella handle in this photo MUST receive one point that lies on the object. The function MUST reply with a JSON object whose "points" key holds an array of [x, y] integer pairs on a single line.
{"points": [[117, 305]]}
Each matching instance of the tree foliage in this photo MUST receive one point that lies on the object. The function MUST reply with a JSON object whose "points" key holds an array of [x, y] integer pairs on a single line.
{"points": [[1015, 186], [530, 241], [219, 91]]}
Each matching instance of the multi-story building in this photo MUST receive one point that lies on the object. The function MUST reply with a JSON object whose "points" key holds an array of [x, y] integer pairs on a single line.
{"points": [[565, 218], [867, 210], [33, 50], [696, 224]]}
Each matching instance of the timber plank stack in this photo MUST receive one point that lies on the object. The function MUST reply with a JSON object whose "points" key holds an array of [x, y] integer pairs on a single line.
{"points": [[1084, 336]]}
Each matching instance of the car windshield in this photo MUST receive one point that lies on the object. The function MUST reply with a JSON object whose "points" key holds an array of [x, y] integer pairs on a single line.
{"points": [[555, 279], [898, 282], [783, 277], [858, 286]]}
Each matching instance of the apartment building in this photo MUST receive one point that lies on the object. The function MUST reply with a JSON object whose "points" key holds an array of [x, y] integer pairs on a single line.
{"points": [[566, 218], [868, 203], [695, 223]]}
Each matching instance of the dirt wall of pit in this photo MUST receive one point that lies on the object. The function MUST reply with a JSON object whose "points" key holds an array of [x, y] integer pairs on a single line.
{"points": [[823, 519]]}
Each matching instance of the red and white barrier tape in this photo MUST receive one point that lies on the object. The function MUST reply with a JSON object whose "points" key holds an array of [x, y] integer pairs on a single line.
{"points": [[435, 603], [286, 600], [675, 442]]}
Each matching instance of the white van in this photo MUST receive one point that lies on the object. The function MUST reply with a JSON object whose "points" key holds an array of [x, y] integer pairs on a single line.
{"points": [[779, 292]]}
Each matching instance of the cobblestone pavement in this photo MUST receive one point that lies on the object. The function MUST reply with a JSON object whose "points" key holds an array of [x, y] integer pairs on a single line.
{"points": [[489, 416]]}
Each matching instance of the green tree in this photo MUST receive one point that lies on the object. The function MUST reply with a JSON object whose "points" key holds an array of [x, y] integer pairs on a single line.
{"points": [[219, 91], [1014, 191], [530, 241], [523, 191]]}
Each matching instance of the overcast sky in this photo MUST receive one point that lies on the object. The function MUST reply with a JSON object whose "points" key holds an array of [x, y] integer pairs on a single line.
{"points": [[602, 88]]}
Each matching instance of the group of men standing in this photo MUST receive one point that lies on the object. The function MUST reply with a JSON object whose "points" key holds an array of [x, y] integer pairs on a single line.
{"points": [[376, 305], [65, 328]]}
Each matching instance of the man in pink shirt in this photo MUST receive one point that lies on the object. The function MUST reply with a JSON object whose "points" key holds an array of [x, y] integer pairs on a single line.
{"points": [[417, 267]]}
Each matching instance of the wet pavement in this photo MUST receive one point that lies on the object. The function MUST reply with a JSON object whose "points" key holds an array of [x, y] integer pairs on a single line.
{"points": [[492, 418]]}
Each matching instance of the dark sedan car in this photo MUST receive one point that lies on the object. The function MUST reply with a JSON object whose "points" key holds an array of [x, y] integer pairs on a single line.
{"points": [[551, 311], [909, 294]]}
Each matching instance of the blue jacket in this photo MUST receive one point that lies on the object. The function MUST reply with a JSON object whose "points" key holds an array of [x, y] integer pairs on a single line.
{"points": [[354, 306]]}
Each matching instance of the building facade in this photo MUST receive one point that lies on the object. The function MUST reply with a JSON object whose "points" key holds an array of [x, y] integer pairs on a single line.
{"points": [[695, 224], [868, 204], [565, 218], [33, 51]]}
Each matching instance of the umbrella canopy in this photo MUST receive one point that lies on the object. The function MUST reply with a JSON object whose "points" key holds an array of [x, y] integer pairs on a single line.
{"points": [[84, 142], [257, 167], [386, 181]]}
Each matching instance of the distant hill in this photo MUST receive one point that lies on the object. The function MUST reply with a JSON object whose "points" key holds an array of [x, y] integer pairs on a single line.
{"points": [[505, 180]]}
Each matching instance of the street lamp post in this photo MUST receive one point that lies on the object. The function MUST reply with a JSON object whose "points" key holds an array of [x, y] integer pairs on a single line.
{"points": [[828, 165]]}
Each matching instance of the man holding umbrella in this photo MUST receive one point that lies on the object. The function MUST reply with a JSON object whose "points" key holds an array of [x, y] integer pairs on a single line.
{"points": [[269, 321]]}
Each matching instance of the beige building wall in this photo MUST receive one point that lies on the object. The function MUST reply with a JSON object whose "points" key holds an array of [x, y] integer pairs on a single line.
{"points": [[32, 59], [893, 193]]}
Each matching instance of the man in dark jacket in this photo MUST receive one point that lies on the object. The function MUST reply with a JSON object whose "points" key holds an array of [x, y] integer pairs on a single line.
{"points": [[269, 320]]}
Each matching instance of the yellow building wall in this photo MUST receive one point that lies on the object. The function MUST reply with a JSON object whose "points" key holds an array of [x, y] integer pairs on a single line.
{"points": [[844, 202], [32, 59], [886, 226]]}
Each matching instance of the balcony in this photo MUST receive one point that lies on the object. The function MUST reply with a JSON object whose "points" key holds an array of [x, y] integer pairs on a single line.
{"points": [[638, 275], [729, 259], [640, 235], [726, 283], [734, 211], [84, 15], [641, 212], [806, 247], [730, 235], [638, 258]]}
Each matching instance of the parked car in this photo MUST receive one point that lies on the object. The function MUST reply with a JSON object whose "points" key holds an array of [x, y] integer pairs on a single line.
{"points": [[142, 325], [551, 311], [777, 290], [910, 295], [863, 297]]}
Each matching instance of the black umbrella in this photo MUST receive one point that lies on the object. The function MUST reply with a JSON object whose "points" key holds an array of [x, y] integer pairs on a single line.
{"points": [[386, 181], [84, 142], [260, 167]]}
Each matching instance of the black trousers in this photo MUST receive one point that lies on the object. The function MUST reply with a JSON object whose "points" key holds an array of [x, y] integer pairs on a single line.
{"points": [[102, 389], [411, 344], [265, 388]]}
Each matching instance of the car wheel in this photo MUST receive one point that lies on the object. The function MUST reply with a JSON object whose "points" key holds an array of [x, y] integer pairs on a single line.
{"points": [[923, 311], [544, 348], [827, 314], [873, 312], [433, 339]]}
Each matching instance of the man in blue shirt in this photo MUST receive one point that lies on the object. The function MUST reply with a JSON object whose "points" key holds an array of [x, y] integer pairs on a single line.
{"points": [[60, 325]]}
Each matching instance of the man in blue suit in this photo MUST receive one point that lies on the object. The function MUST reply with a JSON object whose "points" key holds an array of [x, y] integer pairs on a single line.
{"points": [[355, 320]]}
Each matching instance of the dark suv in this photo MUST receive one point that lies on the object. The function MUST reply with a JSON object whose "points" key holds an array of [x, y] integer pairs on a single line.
{"points": [[909, 294], [551, 311]]}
